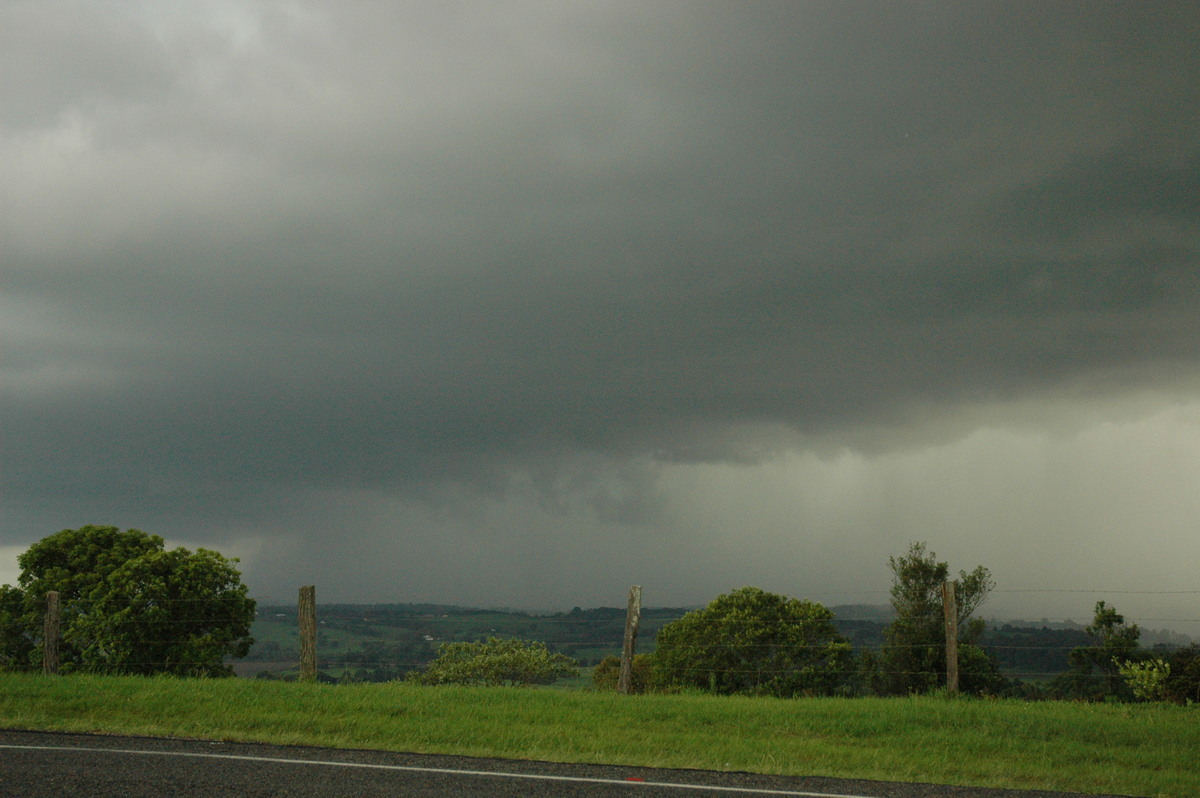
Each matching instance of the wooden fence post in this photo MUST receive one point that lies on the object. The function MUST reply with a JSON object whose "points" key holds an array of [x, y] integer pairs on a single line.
{"points": [[633, 617], [50, 633], [950, 611], [308, 633]]}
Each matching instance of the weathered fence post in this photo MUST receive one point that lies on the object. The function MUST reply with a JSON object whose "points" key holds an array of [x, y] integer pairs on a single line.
{"points": [[632, 617], [50, 633], [950, 611], [308, 633]]}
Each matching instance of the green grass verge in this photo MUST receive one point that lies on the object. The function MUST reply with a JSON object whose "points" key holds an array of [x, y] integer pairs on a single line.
{"points": [[1141, 749]]}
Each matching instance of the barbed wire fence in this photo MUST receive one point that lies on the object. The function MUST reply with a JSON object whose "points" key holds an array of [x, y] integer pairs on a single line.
{"points": [[593, 631]]}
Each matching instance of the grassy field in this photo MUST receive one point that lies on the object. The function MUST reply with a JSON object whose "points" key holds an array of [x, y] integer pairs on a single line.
{"points": [[1140, 749]]}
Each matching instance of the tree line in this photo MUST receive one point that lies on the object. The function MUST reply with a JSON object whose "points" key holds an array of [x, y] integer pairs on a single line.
{"points": [[752, 642], [131, 606]]}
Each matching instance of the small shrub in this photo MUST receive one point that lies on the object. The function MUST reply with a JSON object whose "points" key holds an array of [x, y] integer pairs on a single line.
{"points": [[497, 662], [607, 673], [1147, 679]]}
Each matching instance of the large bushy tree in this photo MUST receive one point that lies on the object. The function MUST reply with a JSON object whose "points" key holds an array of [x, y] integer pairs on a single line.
{"points": [[128, 605], [913, 658], [754, 642]]}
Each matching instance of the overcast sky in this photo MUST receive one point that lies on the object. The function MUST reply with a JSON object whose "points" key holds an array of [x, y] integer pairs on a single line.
{"points": [[521, 303]]}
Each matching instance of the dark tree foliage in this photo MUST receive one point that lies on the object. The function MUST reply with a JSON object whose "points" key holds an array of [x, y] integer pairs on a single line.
{"points": [[129, 605], [913, 658], [1031, 652], [754, 642], [16, 639], [979, 673], [1095, 668], [1183, 683]]}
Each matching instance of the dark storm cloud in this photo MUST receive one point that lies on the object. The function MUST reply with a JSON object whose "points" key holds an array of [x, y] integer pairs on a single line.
{"points": [[260, 254]]}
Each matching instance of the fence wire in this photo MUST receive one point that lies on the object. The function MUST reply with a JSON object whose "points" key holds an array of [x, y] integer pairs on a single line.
{"points": [[391, 641]]}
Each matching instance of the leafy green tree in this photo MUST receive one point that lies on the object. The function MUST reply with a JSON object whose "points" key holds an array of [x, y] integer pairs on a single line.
{"points": [[754, 642], [497, 662], [913, 657], [1096, 669], [131, 606]]}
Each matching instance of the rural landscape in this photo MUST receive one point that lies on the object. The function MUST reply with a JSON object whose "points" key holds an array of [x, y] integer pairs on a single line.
{"points": [[792, 389], [131, 635], [364, 642]]}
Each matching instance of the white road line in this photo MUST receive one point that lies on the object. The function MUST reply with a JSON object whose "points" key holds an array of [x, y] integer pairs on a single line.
{"points": [[444, 771]]}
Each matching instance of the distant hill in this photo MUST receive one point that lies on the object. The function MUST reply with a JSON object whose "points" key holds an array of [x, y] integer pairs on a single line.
{"points": [[376, 642]]}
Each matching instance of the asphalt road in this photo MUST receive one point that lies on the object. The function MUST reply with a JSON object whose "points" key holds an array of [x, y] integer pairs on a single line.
{"points": [[35, 764]]}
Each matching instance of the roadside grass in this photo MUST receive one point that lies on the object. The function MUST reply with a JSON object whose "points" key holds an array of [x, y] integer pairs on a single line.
{"points": [[1132, 749]]}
